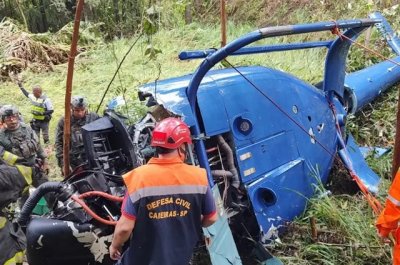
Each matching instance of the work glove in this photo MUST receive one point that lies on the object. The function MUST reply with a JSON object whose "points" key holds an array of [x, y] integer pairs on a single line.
{"points": [[42, 165], [383, 232], [46, 168]]}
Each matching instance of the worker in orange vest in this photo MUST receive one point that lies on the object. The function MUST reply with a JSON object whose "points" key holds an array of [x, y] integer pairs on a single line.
{"points": [[388, 220]]}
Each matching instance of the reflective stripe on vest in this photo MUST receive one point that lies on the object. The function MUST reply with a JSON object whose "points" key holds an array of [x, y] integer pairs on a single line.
{"points": [[3, 222], [17, 259], [394, 190], [9, 158], [393, 200], [26, 172], [38, 108]]}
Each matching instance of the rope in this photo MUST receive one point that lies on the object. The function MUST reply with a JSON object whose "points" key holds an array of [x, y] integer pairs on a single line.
{"points": [[372, 201], [336, 31], [281, 110]]}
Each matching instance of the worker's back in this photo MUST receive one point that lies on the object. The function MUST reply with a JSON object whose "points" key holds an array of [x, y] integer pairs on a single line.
{"points": [[168, 199]]}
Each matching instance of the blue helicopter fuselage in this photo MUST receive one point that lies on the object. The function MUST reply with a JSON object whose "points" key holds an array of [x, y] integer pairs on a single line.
{"points": [[281, 153]]}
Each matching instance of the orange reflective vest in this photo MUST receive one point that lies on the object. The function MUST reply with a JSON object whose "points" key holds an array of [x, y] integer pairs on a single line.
{"points": [[388, 220]]}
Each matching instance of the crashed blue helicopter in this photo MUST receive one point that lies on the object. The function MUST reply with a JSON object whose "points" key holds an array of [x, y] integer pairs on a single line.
{"points": [[260, 133]]}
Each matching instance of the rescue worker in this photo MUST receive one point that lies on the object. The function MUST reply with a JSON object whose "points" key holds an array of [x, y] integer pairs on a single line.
{"points": [[14, 179], [2, 125], [388, 221], [20, 140], [41, 110], [79, 117], [166, 204]]}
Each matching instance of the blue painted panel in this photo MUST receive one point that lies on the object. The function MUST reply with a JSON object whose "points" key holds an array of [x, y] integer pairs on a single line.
{"points": [[280, 195], [261, 157], [287, 144], [353, 158], [303, 111]]}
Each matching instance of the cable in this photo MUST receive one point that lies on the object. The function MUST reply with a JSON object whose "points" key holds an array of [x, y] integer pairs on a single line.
{"points": [[281, 109], [336, 31], [116, 72]]}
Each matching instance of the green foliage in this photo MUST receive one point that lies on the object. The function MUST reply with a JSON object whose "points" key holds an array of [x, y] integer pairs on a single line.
{"points": [[89, 34], [124, 17], [149, 27], [173, 13], [151, 52]]}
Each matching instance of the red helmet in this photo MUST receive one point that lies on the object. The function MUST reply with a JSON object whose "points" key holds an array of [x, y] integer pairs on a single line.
{"points": [[171, 133]]}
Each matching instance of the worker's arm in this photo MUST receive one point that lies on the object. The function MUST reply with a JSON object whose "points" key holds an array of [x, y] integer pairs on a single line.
{"points": [[49, 107], [12, 181], [209, 220], [209, 211], [59, 142], [124, 227], [26, 93], [122, 233]]}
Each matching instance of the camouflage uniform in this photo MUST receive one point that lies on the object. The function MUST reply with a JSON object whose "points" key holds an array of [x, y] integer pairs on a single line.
{"points": [[13, 181], [24, 143], [77, 154]]}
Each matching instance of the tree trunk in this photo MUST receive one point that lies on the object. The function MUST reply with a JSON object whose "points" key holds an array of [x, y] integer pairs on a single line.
{"points": [[45, 25], [116, 11], [124, 7], [188, 14], [197, 5], [22, 14]]}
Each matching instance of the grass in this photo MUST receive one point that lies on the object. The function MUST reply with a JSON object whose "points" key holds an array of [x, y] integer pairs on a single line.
{"points": [[345, 223]]}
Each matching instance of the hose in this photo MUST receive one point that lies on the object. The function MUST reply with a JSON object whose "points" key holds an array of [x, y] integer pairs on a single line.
{"points": [[230, 160], [90, 212], [221, 173], [34, 199], [56, 187]]}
